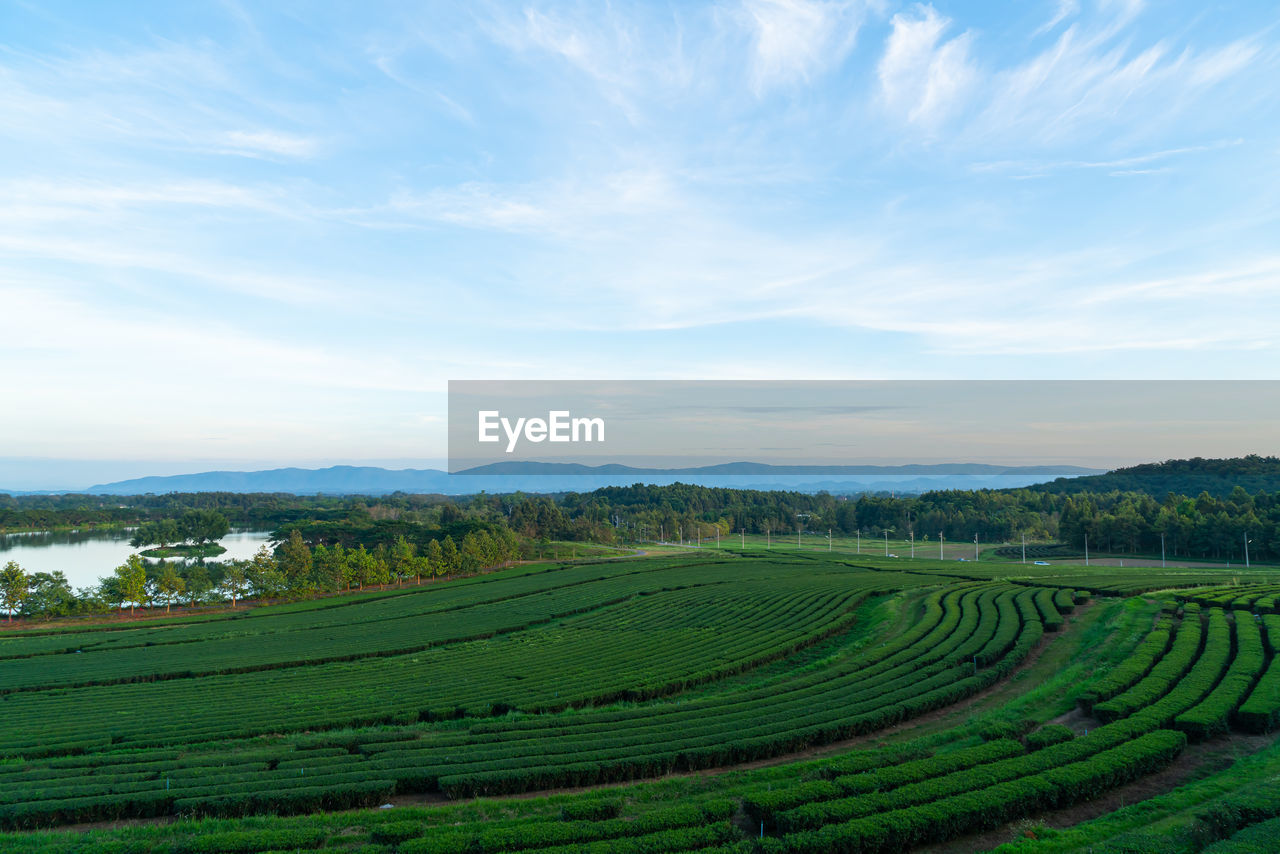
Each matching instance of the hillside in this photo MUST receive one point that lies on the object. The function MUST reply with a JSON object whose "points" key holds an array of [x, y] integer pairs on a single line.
{"points": [[1218, 477]]}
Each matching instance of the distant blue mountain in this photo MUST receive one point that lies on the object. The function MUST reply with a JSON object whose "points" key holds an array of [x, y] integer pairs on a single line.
{"points": [[569, 477]]}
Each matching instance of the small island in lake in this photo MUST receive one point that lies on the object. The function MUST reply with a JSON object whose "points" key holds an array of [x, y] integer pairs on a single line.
{"points": [[199, 550]]}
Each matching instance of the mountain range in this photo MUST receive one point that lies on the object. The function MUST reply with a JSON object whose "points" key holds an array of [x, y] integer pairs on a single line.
{"points": [[570, 477]]}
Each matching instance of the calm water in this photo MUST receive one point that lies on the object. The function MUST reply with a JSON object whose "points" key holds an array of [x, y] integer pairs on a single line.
{"points": [[87, 556]]}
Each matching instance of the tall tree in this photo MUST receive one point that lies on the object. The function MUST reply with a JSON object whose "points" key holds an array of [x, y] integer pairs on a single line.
{"points": [[402, 559], [132, 578], [14, 586], [198, 584], [234, 581], [170, 586], [296, 561], [435, 558], [450, 558], [265, 574]]}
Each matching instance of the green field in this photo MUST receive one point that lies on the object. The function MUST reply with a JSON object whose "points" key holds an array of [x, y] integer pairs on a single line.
{"points": [[690, 699]]}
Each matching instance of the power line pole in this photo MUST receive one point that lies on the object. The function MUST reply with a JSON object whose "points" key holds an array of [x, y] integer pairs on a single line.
{"points": [[1162, 564], [886, 543], [1086, 549], [975, 548], [1246, 550], [913, 545], [941, 540], [1024, 548]]}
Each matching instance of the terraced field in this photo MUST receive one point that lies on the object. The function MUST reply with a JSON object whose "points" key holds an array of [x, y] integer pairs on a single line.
{"points": [[589, 676]]}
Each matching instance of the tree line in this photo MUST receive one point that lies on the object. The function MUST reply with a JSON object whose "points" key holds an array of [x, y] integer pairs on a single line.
{"points": [[1204, 526], [294, 570]]}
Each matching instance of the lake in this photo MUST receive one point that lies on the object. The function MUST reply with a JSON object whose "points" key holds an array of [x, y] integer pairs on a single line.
{"points": [[87, 556]]}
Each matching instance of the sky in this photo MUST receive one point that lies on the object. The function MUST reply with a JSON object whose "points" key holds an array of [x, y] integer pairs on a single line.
{"points": [[238, 235]]}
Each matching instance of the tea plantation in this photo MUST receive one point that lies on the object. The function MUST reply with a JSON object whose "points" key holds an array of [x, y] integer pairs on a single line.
{"points": [[712, 700]]}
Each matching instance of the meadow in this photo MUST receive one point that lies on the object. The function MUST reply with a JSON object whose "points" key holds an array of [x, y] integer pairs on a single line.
{"points": [[706, 699]]}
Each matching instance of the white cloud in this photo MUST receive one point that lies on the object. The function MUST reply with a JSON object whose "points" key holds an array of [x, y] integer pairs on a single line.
{"points": [[924, 78], [259, 143], [1066, 9], [795, 40], [1088, 80]]}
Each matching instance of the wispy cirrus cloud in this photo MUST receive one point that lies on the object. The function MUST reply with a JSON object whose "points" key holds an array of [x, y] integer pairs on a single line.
{"points": [[924, 76], [795, 40]]}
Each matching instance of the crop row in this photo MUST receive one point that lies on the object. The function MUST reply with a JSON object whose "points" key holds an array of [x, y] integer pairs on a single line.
{"points": [[807, 795], [365, 635], [543, 835], [1127, 673], [1261, 711], [884, 686], [1212, 715], [1168, 670], [938, 816], [675, 642]]}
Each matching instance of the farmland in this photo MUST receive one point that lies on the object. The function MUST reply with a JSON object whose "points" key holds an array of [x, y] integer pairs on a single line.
{"points": [[692, 699]]}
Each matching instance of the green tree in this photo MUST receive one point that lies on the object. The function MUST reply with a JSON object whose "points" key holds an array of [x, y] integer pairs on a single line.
{"points": [[132, 578], [111, 592], [201, 526], [234, 581], [296, 561], [450, 558], [330, 567], [435, 558], [360, 566], [50, 596], [401, 561], [170, 586], [14, 586], [265, 575], [198, 584], [473, 550]]}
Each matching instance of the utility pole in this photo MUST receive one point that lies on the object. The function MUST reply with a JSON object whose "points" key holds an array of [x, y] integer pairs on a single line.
{"points": [[744, 539], [859, 541], [941, 539], [1086, 549], [768, 543], [717, 535], [1246, 550], [1162, 565], [1024, 548], [975, 548], [886, 543], [913, 544], [828, 539]]}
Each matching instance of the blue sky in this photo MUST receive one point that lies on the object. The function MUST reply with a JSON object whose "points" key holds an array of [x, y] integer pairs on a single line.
{"points": [[268, 235]]}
